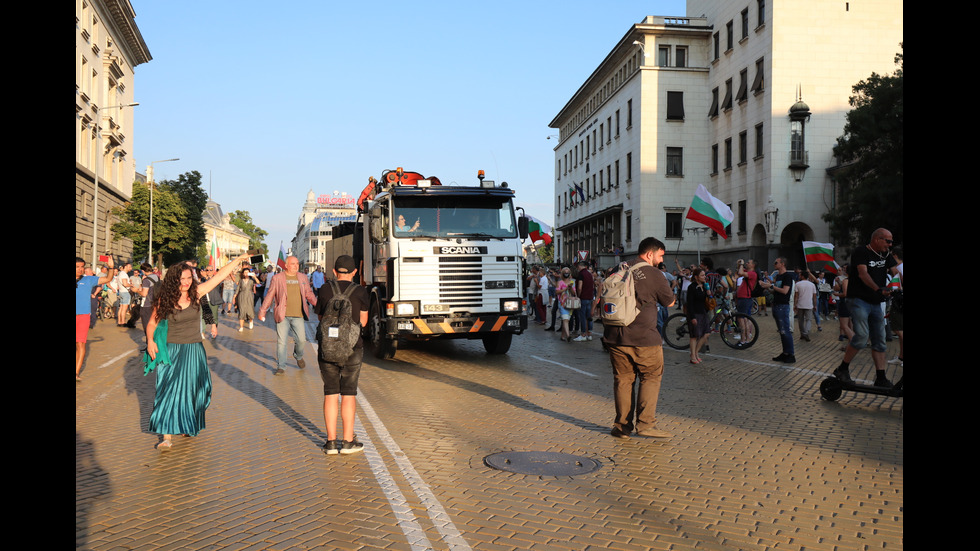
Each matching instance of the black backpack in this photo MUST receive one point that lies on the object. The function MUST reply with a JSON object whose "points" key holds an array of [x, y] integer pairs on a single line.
{"points": [[757, 291], [338, 331]]}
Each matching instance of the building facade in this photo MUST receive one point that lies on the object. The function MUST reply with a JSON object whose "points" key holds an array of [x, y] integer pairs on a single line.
{"points": [[315, 227], [108, 47], [747, 99], [228, 239]]}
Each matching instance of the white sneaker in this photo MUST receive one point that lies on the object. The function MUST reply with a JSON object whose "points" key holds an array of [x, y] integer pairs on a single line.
{"points": [[896, 361], [240, 329], [250, 325], [580, 338]]}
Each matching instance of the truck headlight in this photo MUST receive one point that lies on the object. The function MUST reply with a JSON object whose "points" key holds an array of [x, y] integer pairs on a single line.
{"points": [[405, 309], [511, 305]]}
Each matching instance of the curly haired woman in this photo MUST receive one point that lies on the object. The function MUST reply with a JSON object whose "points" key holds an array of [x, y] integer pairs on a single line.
{"points": [[183, 385]]}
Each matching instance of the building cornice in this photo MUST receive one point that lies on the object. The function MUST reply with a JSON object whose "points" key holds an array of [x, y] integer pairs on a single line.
{"points": [[122, 17]]}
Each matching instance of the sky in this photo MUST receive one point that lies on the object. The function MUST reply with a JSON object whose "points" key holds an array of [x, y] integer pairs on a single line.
{"points": [[268, 101]]}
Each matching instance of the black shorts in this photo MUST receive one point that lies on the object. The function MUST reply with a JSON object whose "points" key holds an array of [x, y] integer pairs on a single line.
{"points": [[341, 379]]}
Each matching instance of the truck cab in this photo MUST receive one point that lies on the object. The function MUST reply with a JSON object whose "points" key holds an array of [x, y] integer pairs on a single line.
{"points": [[443, 262]]}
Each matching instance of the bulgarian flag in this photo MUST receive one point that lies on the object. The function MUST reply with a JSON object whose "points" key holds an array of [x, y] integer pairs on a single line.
{"points": [[818, 252], [711, 212], [539, 231], [215, 252], [282, 257], [832, 267]]}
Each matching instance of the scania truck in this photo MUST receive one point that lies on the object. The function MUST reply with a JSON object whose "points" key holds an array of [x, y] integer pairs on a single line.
{"points": [[441, 262]]}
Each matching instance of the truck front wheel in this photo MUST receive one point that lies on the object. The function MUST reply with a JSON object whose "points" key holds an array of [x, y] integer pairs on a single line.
{"points": [[384, 346], [497, 343]]}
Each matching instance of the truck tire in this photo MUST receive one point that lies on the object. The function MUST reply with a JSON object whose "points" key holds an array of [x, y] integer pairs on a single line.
{"points": [[383, 345], [497, 343]]}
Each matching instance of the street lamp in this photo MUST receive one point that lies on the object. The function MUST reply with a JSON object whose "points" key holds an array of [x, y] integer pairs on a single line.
{"points": [[149, 183], [98, 157]]}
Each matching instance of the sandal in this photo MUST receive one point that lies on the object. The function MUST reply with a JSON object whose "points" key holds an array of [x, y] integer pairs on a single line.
{"points": [[165, 445]]}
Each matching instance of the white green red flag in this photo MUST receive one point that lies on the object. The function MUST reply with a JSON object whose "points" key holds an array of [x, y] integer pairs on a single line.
{"points": [[538, 230], [281, 262], [832, 267], [710, 211], [818, 252], [215, 252]]}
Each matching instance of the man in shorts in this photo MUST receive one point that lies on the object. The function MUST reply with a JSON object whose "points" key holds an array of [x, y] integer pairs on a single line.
{"points": [[867, 276], [340, 380], [83, 307]]}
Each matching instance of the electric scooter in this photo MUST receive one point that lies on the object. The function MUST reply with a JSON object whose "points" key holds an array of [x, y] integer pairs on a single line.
{"points": [[831, 388]]}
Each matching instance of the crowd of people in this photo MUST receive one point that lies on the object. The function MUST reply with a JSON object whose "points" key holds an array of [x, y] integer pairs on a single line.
{"points": [[177, 310]]}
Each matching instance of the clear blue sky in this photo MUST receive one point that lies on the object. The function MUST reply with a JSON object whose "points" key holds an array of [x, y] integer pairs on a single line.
{"points": [[270, 101]]}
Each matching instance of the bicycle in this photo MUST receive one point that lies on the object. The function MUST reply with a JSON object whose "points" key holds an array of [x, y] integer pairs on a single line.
{"points": [[677, 334]]}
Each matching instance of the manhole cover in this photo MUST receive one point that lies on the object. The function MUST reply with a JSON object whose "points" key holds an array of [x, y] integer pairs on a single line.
{"points": [[542, 463]]}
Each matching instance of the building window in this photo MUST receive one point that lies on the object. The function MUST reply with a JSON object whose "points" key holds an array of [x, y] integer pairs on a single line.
{"points": [[713, 110], [728, 154], [629, 167], [743, 86], [675, 161], [762, 12], [714, 159], [663, 56], [758, 141], [617, 123], [593, 142], [745, 23], [675, 106], [609, 125], [609, 177], [717, 46], [629, 226], [742, 216], [743, 147], [680, 56], [629, 114], [758, 85], [674, 224], [726, 104], [586, 147], [617, 172], [602, 134], [730, 28]]}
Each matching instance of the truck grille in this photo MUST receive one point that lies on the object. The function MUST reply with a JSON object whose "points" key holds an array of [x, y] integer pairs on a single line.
{"points": [[458, 281]]}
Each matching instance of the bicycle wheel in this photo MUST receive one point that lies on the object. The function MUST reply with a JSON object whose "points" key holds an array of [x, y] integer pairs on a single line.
{"points": [[755, 307], [676, 333], [731, 331]]}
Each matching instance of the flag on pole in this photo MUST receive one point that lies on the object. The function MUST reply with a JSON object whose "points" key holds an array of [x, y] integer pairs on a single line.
{"points": [[538, 230], [282, 257], [711, 212], [581, 191], [215, 252], [818, 252]]}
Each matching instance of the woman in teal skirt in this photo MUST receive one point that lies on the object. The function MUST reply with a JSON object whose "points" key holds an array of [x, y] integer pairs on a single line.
{"points": [[176, 352]]}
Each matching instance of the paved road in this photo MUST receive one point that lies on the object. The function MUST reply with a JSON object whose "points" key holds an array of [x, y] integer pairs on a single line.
{"points": [[759, 460]]}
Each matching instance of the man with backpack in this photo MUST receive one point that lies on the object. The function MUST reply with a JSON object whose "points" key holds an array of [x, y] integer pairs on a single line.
{"points": [[634, 344], [342, 308]]}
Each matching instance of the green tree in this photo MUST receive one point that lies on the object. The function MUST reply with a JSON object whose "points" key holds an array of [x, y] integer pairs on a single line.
{"points": [[546, 253], [170, 232], [256, 235], [192, 196], [871, 174]]}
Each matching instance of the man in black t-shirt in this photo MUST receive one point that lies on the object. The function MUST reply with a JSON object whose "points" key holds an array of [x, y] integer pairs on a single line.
{"points": [[636, 351], [867, 276], [340, 380]]}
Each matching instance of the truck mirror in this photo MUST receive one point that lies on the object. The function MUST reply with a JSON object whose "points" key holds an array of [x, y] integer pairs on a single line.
{"points": [[522, 225]]}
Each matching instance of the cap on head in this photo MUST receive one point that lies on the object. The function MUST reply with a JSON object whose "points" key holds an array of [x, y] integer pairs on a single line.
{"points": [[344, 264]]}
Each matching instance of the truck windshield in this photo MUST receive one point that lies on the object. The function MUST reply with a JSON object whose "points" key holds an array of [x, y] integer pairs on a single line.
{"points": [[482, 216]]}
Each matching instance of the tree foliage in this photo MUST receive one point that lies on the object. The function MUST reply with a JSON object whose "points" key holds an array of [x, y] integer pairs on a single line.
{"points": [[256, 235], [192, 196], [872, 166], [170, 233]]}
